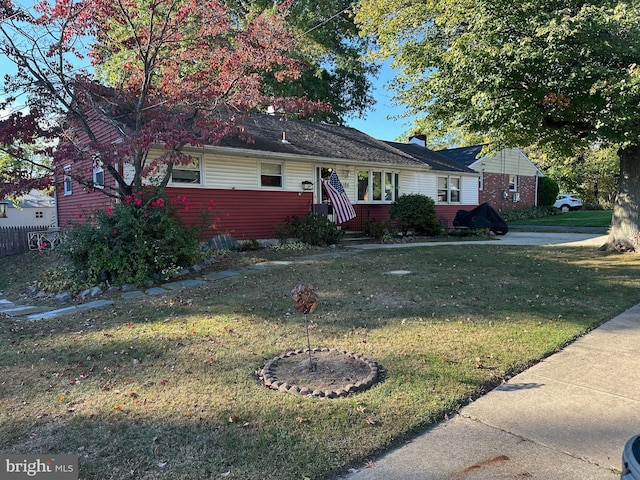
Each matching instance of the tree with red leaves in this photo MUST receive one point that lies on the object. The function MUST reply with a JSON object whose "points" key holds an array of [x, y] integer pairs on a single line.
{"points": [[188, 75]]}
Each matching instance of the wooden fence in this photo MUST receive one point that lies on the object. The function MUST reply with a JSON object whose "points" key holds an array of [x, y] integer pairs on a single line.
{"points": [[15, 240]]}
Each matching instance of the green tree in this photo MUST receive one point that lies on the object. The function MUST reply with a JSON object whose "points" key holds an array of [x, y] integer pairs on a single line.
{"points": [[559, 74], [334, 69], [591, 172]]}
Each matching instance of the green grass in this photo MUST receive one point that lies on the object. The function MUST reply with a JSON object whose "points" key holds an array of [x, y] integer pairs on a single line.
{"points": [[579, 218], [165, 387]]}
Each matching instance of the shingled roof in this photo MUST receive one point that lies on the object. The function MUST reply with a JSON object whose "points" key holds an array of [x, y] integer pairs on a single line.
{"points": [[271, 133], [464, 155], [434, 159]]}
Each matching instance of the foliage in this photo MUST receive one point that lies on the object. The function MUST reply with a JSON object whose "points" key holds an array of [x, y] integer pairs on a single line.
{"points": [[592, 173], [563, 75], [313, 229], [249, 246], [290, 247], [131, 242], [547, 191], [416, 212], [529, 212], [379, 229], [187, 72], [335, 68]]}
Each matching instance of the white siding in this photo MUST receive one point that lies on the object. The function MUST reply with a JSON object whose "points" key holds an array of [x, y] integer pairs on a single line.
{"points": [[510, 161], [469, 190]]}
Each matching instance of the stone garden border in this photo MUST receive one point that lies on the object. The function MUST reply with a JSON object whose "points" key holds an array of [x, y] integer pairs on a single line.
{"points": [[269, 378]]}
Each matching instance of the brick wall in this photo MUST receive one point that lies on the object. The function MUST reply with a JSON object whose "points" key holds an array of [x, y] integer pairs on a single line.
{"points": [[495, 184]]}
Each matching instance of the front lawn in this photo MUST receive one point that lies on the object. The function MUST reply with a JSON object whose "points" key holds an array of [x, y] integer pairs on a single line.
{"points": [[166, 387]]}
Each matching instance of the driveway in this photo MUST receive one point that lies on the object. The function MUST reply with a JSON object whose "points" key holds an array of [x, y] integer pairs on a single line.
{"points": [[513, 238]]}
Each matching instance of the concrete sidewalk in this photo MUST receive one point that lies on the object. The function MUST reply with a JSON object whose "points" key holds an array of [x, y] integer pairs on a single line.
{"points": [[567, 418]]}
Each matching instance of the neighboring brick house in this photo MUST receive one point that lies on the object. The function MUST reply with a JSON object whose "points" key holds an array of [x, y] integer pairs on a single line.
{"points": [[508, 179], [256, 184]]}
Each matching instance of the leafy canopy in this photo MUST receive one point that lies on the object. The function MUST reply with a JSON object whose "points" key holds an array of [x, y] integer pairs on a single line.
{"points": [[188, 72], [561, 73]]}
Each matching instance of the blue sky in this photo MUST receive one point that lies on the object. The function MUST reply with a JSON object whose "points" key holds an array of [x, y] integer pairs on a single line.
{"points": [[376, 123]]}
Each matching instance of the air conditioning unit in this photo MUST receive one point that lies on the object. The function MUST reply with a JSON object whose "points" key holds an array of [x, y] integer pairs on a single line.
{"points": [[515, 197]]}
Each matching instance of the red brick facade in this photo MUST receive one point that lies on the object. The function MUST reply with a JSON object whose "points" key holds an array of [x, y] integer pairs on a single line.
{"points": [[495, 186]]}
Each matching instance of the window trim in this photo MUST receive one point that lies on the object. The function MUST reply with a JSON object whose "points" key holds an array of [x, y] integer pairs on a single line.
{"points": [[448, 179], [66, 180], [4, 210], [195, 156], [513, 186], [374, 174], [96, 171], [262, 175]]}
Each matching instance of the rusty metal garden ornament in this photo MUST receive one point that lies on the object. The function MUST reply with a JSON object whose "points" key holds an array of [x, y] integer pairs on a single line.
{"points": [[306, 302]]}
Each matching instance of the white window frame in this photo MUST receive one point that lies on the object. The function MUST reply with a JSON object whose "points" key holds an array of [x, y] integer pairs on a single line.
{"points": [[388, 192], [513, 183], [98, 174], [481, 181], [448, 189], [66, 180], [186, 168], [264, 175], [4, 209]]}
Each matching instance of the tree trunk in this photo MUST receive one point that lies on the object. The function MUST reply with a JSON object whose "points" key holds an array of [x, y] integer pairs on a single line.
{"points": [[625, 224]]}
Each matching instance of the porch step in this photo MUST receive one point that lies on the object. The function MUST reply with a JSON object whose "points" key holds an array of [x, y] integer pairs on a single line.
{"points": [[351, 236]]}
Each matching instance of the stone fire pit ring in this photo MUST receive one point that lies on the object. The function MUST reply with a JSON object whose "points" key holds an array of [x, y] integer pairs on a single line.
{"points": [[337, 374]]}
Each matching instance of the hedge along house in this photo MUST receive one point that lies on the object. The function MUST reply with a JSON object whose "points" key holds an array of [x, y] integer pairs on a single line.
{"points": [[253, 181], [508, 179]]}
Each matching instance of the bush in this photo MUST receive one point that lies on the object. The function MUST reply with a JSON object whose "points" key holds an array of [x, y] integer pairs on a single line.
{"points": [[416, 212], [527, 213], [379, 229], [130, 242], [313, 228], [547, 191]]}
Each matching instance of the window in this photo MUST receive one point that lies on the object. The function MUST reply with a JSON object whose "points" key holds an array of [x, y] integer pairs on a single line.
{"points": [[67, 180], [449, 189], [513, 183], [39, 214], [98, 177], [187, 172], [481, 181], [271, 175], [3, 210], [377, 186]]}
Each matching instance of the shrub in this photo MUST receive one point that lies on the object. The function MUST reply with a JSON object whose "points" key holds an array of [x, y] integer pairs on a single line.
{"points": [[416, 212], [529, 212], [379, 229], [131, 242], [547, 191], [313, 228]]}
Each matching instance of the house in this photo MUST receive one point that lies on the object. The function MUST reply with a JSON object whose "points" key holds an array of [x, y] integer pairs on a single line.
{"points": [[253, 181], [455, 184], [35, 209], [508, 179]]}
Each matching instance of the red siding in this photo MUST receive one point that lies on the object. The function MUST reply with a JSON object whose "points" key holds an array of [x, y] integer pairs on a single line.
{"points": [[74, 208], [244, 214], [446, 213]]}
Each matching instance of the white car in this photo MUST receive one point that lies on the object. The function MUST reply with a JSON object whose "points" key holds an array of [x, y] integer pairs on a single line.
{"points": [[567, 202]]}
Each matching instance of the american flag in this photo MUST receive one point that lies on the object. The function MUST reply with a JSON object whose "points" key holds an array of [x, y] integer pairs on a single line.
{"points": [[341, 205]]}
